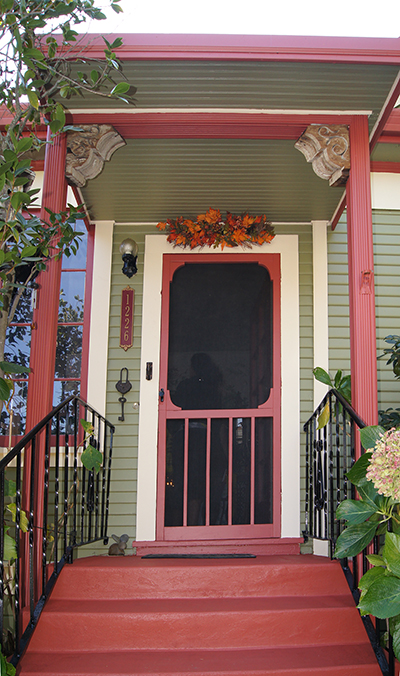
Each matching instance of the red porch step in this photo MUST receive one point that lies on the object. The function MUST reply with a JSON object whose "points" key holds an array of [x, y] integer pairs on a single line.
{"points": [[274, 615]]}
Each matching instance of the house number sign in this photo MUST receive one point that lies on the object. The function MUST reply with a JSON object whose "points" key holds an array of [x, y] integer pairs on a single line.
{"points": [[127, 305]]}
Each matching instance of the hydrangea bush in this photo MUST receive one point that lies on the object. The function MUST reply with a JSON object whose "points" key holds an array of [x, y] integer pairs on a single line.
{"points": [[376, 476]]}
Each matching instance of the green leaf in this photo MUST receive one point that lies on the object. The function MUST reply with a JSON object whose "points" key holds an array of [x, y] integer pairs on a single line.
{"points": [[5, 166], [338, 378], [394, 628], [33, 99], [94, 76], [59, 114], [10, 488], [6, 669], [24, 144], [323, 418], [8, 367], [354, 539], [358, 472], [87, 426], [34, 54], [116, 8], [370, 435], [354, 511], [375, 560], [92, 458], [368, 493], [320, 374], [5, 389], [369, 577], [382, 598], [391, 553], [120, 88], [23, 520], [19, 198], [28, 251], [55, 126], [10, 547]]}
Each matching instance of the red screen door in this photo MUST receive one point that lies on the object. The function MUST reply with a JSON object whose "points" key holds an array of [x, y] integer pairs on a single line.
{"points": [[219, 407]]}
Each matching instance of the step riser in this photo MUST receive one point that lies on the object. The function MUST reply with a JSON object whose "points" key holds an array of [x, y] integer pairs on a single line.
{"points": [[62, 631], [194, 580]]}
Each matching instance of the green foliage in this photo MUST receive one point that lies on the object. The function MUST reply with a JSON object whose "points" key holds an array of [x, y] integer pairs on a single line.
{"points": [[37, 73], [340, 383], [394, 354], [91, 457], [6, 669], [367, 517]]}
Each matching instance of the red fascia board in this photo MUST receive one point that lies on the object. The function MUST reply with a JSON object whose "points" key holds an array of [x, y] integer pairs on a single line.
{"points": [[209, 125], [386, 114], [386, 167], [391, 131], [244, 47]]}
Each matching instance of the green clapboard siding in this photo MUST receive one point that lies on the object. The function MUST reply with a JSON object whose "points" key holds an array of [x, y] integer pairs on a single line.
{"points": [[386, 231], [124, 467]]}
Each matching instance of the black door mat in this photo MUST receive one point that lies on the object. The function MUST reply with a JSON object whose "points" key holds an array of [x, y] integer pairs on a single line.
{"points": [[199, 556]]}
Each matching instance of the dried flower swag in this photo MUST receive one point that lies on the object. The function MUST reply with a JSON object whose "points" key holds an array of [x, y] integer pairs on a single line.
{"points": [[211, 230]]}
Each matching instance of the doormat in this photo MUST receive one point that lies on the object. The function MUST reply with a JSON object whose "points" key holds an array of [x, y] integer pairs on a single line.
{"points": [[199, 556]]}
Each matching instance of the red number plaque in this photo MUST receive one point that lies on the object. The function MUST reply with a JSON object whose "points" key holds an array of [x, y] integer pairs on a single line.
{"points": [[127, 305]]}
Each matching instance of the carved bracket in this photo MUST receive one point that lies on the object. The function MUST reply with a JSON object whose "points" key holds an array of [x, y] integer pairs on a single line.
{"points": [[87, 150], [328, 148]]}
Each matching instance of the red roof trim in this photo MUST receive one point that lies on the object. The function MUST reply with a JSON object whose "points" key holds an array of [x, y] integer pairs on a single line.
{"points": [[385, 113], [247, 47], [209, 125], [386, 167]]}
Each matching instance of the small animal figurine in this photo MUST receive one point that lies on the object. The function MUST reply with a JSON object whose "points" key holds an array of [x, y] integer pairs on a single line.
{"points": [[119, 546]]}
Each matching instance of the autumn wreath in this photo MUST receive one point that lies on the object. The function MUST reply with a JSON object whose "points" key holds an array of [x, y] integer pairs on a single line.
{"points": [[210, 229]]}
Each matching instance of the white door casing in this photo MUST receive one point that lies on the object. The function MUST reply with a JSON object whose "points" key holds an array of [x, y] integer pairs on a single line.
{"points": [[155, 247]]}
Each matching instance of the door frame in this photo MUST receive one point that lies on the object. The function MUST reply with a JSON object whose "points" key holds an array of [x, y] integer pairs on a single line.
{"points": [[269, 409], [155, 248]]}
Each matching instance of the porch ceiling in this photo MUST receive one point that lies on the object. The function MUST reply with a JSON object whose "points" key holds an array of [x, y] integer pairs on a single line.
{"points": [[253, 85], [150, 180]]}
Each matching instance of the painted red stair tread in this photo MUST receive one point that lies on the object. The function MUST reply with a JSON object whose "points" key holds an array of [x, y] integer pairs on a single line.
{"points": [[278, 616]]}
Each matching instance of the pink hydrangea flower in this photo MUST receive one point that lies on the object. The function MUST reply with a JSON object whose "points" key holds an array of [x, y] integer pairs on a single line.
{"points": [[384, 467]]}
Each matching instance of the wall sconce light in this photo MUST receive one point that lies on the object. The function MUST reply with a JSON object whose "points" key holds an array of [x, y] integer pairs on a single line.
{"points": [[129, 250]]}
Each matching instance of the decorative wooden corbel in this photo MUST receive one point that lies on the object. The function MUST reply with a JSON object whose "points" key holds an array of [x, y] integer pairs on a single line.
{"points": [[328, 148], [87, 150]]}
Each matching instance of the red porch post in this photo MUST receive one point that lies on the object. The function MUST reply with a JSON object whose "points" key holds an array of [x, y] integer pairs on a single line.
{"points": [[43, 352], [361, 276], [44, 337]]}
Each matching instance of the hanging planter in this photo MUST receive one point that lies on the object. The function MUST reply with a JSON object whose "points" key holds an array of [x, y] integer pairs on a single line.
{"points": [[211, 230]]}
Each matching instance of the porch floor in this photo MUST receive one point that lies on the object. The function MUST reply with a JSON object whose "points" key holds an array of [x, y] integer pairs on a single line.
{"points": [[274, 615]]}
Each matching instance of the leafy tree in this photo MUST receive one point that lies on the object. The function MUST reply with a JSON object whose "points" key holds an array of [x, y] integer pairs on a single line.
{"points": [[38, 71]]}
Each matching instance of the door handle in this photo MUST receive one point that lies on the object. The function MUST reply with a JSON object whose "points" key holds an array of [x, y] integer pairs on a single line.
{"points": [[161, 394]]}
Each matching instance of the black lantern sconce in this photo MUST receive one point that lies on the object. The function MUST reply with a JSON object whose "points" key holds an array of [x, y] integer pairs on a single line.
{"points": [[129, 251]]}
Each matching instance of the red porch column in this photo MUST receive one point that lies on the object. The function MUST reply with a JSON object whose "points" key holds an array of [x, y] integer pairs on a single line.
{"points": [[44, 337], [42, 361], [361, 276]]}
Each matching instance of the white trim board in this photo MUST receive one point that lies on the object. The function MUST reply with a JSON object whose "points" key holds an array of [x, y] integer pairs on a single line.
{"points": [[100, 315], [385, 190], [320, 302], [155, 247]]}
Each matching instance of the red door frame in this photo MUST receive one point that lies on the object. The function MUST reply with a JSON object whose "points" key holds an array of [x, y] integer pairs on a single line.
{"points": [[272, 408]]}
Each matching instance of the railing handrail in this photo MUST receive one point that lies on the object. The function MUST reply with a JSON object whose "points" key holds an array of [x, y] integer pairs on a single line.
{"points": [[348, 407], [330, 452], [62, 505], [40, 425]]}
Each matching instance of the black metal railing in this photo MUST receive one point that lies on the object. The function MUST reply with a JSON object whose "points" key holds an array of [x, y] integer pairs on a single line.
{"points": [[51, 504], [330, 453]]}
